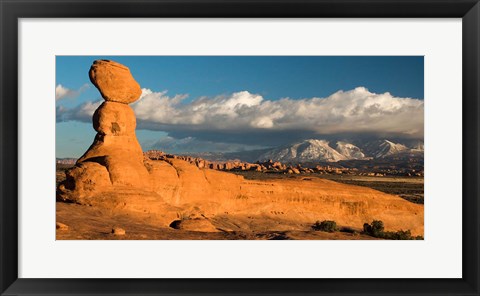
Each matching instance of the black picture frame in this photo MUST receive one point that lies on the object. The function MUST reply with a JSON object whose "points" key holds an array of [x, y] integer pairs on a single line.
{"points": [[12, 10]]}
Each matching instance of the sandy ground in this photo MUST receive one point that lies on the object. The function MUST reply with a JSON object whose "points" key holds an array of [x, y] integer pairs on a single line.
{"points": [[408, 188], [94, 223], [87, 223]]}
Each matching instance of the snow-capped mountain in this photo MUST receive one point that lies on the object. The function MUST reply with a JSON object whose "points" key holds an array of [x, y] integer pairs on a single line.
{"points": [[350, 151], [305, 151], [384, 148], [315, 150], [418, 146]]}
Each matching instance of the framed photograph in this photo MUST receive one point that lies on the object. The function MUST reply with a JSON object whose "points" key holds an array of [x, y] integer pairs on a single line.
{"points": [[239, 148]]}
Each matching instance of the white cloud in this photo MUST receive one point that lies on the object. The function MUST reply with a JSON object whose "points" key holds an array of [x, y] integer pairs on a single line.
{"points": [[354, 111], [83, 112], [62, 92], [357, 110]]}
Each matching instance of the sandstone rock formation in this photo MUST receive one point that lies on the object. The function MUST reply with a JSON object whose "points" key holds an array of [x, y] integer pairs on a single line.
{"points": [[61, 226], [115, 82], [115, 158], [114, 175], [118, 231]]}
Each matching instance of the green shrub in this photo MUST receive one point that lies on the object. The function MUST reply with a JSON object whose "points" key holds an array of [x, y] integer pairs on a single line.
{"points": [[376, 229], [347, 229], [399, 235], [326, 225]]}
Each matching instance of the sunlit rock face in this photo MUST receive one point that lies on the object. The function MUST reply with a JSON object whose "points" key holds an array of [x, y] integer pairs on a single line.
{"points": [[114, 81], [115, 157]]}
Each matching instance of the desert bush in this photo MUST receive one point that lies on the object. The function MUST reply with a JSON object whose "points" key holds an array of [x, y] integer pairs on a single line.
{"points": [[347, 229], [399, 235], [325, 225], [376, 229]]}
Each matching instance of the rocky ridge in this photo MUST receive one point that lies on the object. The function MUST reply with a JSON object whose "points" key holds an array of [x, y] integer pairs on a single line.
{"points": [[277, 167]]}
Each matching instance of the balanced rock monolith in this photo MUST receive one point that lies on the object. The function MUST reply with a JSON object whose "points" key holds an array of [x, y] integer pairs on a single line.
{"points": [[115, 157]]}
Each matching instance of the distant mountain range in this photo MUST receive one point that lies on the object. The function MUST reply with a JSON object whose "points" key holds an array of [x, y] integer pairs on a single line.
{"points": [[314, 150], [69, 161], [323, 151], [307, 151], [311, 151]]}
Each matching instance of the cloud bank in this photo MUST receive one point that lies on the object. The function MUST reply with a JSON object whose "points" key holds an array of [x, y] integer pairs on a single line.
{"points": [[62, 92], [192, 144], [351, 111], [250, 118], [83, 112]]}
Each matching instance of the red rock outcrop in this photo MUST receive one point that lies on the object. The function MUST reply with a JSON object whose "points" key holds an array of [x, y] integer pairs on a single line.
{"points": [[115, 157], [114, 81]]}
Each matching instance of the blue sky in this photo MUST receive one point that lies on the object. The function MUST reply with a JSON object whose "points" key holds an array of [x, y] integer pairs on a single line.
{"points": [[223, 103]]}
